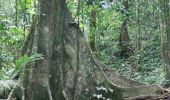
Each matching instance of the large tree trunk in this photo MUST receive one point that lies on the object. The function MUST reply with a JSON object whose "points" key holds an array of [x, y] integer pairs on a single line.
{"points": [[57, 76]]}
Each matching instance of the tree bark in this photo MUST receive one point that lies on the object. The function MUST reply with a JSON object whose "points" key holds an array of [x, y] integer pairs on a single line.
{"points": [[124, 39], [92, 32], [166, 45]]}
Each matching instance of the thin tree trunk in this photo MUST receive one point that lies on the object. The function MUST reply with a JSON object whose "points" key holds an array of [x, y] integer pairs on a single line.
{"points": [[138, 34], [166, 46], [138, 44], [92, 32], [16, 13]]}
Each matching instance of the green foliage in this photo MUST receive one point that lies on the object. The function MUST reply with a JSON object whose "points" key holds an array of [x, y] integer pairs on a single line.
{"points": [[19, 65], [13, 32], [149, 69], [22, 61], [146, 65]]}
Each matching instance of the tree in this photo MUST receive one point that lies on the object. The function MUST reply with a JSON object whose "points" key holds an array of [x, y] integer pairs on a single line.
{"points": [[124, 39], [70, 71], [166, 45], [92, 29]]}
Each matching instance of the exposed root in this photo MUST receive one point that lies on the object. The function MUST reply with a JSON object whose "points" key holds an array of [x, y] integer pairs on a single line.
{"points": [[149, 97], [49, 92]]}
